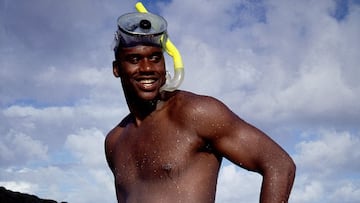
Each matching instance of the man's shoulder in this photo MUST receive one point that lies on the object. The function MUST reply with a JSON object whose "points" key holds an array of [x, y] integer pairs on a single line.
{"points": [[193, 99], [190, 103], [125, 121], [116, 131], [113, 134], [186, 97], [110, 143]]}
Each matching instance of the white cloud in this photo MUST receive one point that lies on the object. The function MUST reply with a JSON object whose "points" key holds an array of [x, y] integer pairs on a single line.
{"points": [[311, 191], [238, 185], [86, 178], [330, 153], [88, 146], [32, 114], [51, 125], [346, 192], [327, 167], [17, 147], [72, 183]]}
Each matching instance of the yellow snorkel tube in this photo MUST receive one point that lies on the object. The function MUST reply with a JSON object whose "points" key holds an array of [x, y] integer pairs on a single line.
{"points": [[174, 82]]}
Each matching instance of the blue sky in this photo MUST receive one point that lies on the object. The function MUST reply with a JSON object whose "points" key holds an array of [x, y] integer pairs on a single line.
{"points": [[288, 67]]}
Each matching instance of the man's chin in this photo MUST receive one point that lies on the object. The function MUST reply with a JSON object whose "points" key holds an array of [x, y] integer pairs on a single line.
{"points": [[148, 95]]}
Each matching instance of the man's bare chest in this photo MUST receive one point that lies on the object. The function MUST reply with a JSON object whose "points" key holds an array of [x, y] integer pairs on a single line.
{"points": [[154, 151]]}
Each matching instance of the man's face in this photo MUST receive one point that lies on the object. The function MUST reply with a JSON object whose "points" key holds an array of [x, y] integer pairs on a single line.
{"points": [[142, 71]]}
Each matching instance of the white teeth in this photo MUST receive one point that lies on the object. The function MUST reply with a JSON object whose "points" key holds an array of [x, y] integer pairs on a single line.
{"points": [[147, 81]]}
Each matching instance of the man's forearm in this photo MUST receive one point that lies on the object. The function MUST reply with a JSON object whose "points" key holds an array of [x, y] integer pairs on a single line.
{"points": [[277, 183]]}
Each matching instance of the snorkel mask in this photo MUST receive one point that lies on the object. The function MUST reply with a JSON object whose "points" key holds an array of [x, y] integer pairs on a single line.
{"points": [[149, 29]]}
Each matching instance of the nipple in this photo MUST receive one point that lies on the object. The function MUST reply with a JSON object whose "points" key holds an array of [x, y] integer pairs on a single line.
{"points": [[167, 167]]}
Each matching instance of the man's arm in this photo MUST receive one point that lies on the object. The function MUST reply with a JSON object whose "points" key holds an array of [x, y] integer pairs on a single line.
{"points": [[109, 145], [248, 147]]}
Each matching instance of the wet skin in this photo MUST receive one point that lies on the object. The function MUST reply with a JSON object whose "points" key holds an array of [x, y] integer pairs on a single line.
{"points": [[169, 148]]}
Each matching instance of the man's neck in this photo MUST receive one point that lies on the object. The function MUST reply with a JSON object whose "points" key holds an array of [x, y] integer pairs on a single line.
{"points": [[141, 109]]}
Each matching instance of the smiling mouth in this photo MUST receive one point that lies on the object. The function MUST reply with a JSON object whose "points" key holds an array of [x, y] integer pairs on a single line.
{"points": [[147, 82]]}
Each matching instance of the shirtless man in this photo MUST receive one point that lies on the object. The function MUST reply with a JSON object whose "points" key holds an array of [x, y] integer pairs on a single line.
{"points": [[170, 147]]}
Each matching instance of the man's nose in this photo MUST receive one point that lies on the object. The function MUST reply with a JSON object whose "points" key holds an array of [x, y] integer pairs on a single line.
{"points": [[145, 65]]}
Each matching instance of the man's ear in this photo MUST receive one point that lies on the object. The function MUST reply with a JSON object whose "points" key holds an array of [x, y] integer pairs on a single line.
{"points": [[116, 69]]}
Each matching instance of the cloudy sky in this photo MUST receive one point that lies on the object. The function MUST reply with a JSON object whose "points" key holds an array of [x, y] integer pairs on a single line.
{"points": [[289, 67]]}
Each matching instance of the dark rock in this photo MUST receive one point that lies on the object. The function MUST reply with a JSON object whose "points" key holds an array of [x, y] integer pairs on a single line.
{"points": [[7, 196]]}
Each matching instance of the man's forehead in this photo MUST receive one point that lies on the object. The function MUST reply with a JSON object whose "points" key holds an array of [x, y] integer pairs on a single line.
{"points": [[140, 49]]}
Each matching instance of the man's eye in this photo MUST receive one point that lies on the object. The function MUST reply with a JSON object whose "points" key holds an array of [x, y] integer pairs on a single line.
{"points": [[133, 59], [155, 58]]}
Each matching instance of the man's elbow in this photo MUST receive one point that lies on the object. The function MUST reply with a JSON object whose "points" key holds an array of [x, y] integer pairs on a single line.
{"points": [[288, 166], [292, 167], [285, 166]]}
